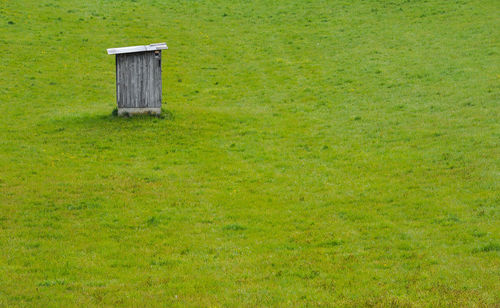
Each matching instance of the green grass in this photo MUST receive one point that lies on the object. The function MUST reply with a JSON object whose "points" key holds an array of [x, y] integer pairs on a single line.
{"points": [[340, 153]]}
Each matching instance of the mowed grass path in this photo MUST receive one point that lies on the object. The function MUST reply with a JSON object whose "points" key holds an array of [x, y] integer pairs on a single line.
{"points": [[313, 153]]}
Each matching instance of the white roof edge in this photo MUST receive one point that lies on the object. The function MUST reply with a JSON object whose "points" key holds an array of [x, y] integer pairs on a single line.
{"points": [[150, 47]]}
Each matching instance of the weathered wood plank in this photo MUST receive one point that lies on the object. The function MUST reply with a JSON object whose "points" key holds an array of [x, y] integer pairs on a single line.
{"points": [[138, 80]]}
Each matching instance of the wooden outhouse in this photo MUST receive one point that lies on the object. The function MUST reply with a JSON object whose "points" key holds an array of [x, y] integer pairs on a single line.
{"points": [[138, 78]]}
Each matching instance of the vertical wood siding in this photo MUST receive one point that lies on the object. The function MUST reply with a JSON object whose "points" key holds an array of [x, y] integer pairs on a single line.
{"points": [[138, 80]]}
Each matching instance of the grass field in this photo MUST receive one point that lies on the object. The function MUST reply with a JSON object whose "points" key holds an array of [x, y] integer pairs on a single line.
{"points": [[336, 153]]}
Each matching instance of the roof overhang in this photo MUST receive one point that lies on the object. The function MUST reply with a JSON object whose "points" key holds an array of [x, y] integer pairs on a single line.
{"points": [[130, 49]]}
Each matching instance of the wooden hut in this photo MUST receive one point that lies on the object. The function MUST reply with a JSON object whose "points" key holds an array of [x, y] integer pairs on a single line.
{"points": [[138, 78]]}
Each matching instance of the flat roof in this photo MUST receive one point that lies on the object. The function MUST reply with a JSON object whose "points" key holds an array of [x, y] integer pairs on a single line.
{"points": [[150, 47]]}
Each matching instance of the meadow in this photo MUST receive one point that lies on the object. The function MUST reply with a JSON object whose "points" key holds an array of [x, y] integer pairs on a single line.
{"points": [[310, 153]]}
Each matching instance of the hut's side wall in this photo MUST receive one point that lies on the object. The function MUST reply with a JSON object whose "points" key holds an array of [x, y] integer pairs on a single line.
{"points": [[138, 80]]}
